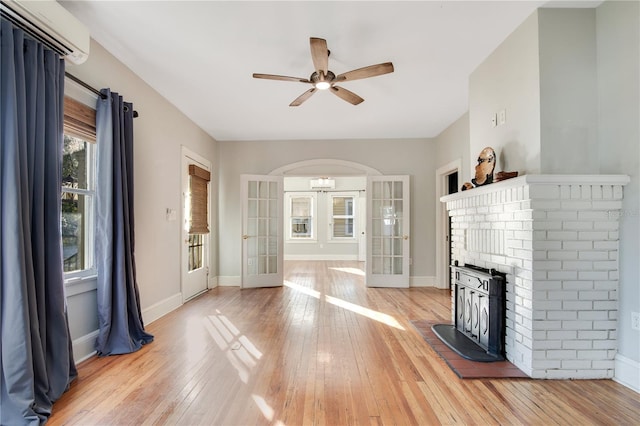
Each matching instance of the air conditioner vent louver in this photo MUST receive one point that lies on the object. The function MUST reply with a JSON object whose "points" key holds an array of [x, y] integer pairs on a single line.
{"points": [[52, 24]]}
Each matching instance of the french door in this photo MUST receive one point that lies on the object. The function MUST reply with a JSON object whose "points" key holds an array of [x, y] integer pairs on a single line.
{"points": [[388, 231], [262, 249]]}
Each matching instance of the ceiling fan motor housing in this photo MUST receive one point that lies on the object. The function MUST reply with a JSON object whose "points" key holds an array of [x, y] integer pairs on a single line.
{"points": [[317, 77]]}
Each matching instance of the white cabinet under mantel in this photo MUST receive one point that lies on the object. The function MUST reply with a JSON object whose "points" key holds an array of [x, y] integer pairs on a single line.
{"points": [[556, 239]]}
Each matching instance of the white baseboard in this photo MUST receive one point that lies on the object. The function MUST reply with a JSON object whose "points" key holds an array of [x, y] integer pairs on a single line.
{"points": [[229, 281], [627, 372], [161, 308], [320, 257], [428, 281], [213, 282], [84, 347]]}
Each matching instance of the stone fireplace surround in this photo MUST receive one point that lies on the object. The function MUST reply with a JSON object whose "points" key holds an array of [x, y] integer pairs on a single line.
{"points": [[556, 238]]}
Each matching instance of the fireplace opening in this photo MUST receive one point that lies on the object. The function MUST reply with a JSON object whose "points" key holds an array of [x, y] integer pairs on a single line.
{"points": [[478, 331]]}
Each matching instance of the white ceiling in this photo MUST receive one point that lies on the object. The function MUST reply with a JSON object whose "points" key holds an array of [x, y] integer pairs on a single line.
{"points": [[201, 55]]}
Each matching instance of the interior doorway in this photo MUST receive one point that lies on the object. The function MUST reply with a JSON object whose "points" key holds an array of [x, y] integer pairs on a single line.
{"points": [[452, 188], [447, 182], [196, 193], [325, 223]]}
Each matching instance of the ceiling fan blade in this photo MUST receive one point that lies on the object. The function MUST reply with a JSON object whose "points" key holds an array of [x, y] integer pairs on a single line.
{"points": [[281, 78], [366, 72], [300, 99], [319, 54], [347, 95]]}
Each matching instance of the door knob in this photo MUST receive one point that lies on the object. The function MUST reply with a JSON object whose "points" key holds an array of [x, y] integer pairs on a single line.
{"points": [[406, 237], [245, 237]]}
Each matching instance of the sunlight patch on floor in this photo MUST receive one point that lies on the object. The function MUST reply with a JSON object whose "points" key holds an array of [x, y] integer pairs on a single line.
{"points": [[369, 313], [354, 271], [239, 350], [306, 290]]}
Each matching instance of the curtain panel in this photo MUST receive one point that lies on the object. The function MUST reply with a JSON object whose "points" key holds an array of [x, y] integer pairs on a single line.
{"points": [[121, 329], [35, 356]]}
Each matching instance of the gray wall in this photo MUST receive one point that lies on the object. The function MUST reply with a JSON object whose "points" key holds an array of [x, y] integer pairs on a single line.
{"points": [[453, 144], [159, 132], [412, 157], [618, 69], [568, 95], [509, 79]]}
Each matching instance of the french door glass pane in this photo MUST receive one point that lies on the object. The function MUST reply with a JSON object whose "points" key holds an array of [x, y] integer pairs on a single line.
{"points": [[387, 239], [262, 227]]}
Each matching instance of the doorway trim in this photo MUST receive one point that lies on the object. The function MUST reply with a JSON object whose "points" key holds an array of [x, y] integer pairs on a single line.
{"points": [[442, 247], [335, 167], [346, 168]]}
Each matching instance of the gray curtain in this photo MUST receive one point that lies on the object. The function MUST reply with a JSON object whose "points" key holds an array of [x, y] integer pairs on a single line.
{"points": [[36, 358], [119, 315]]}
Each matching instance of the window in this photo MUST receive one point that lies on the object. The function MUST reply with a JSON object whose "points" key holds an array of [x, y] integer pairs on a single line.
{"points": [[301, 212], [342, 217], [78, 187]]}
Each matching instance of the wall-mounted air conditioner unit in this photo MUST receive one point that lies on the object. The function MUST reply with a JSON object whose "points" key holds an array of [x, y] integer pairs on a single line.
{"points": [[52, 24]]}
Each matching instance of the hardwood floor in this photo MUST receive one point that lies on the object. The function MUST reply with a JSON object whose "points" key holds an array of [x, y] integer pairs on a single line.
{"points": [[321, 350]]}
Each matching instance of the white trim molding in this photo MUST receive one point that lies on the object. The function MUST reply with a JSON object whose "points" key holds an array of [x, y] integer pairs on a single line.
{"points": [[213, 282], [321, 257], [353, 168], [229, 281], [84, 347], [627, 372], [442, 245], [426, 281], [162, 308]]}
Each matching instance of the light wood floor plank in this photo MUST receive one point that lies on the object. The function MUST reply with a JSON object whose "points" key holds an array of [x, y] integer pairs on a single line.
{"points": [[322, 350]]}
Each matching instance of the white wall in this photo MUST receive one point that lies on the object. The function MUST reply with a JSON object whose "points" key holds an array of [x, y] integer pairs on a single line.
{"points": [[159, 132], [413, 157], [509, 79], [618, 47]]}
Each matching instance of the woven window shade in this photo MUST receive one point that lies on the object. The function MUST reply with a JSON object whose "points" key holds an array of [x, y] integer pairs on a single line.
{"points": [[79, 120], [199, 178]]}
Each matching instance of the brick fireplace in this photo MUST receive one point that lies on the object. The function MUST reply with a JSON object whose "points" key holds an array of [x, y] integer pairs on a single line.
{"points": [[556, 239]]}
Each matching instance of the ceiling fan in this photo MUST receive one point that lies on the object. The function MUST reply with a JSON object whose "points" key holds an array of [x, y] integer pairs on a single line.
{"points": [[323, 79]]}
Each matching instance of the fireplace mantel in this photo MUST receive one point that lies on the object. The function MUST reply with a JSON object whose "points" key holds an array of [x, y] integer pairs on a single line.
{"points": [[524, 180], [556, 239]]}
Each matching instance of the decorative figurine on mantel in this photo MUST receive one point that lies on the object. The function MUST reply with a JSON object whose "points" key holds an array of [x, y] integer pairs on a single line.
{"points": [[484, 169]]}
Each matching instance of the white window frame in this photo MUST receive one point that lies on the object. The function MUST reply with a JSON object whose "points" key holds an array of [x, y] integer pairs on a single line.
{"points": [[90, 215], [354, 196], [313, 196]]}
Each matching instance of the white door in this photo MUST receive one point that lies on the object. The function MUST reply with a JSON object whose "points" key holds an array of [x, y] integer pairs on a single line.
{"points": [[262, 240], [388, 231], [195, 247]]}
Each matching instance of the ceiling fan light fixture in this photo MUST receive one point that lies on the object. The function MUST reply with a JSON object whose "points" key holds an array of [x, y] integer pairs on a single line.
{"points": [[322, 81], [322, 85]]}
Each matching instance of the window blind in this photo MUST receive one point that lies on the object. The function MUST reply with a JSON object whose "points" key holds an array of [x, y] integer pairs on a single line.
{"points": [[199, 178], [79, 120]]}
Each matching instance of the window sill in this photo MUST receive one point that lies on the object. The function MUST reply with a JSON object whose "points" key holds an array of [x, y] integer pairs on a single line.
{"points": [[80, 283]]}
